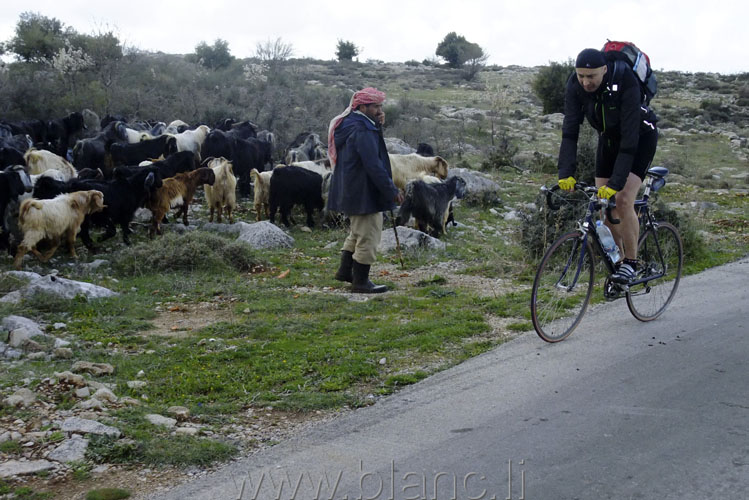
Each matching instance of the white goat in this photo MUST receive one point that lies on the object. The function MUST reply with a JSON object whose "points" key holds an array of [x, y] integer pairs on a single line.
{"points": [[55, 219], [409, 167], [173, 127], [223, 193], [261, 186], [40, 160], [192, 140]]}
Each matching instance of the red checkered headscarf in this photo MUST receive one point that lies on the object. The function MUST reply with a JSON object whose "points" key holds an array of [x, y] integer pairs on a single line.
{"points": [[369, 95]]}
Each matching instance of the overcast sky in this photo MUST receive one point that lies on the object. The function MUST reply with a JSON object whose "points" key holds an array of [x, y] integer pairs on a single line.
{"points": [[682, 35]]}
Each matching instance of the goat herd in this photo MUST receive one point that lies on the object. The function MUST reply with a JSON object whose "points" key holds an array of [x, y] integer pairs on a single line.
{"points": [[58, 178]]}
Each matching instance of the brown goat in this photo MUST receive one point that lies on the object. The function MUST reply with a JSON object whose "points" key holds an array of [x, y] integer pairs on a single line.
{"points": [[177, 191]]}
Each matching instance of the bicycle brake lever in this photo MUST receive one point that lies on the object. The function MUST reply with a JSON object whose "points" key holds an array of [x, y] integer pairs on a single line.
{"points": [[611, 204]]}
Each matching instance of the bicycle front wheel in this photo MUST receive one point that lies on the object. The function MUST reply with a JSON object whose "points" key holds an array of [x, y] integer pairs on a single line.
{"points": [[660, 253], [562, 288]]}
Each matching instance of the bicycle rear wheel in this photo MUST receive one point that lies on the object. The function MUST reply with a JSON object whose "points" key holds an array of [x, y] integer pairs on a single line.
{"points": [[562, 288], [660, 251]]}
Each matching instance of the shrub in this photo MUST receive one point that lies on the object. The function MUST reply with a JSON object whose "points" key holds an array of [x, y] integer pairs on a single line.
{"points": [[196, 250], [549, 85], [541, 227]]}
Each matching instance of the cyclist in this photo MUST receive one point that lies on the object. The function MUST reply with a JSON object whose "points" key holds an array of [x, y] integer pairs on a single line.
{"points": [[626, 143]]}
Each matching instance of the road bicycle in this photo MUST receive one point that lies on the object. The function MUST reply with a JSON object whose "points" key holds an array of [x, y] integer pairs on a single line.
{"points": [[565, 278]]}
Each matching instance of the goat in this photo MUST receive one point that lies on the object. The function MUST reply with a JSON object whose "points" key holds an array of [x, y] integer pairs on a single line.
{"points": [[223, 192], [124, 195], [408, 167], [295, 185], [177, 191], [261, 183], [39, 161], [14, 183], [132, 154], [429, 203], [192, 140], [54, 220]]}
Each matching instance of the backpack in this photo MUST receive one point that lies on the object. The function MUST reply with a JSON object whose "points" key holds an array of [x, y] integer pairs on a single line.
{"points": [[627, 52]]}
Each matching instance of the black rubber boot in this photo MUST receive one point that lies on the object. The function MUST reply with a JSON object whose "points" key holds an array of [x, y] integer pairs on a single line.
{"points": [[344, 270], [361, 283]]}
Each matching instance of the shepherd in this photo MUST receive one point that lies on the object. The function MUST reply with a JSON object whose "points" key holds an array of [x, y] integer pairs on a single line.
{"points": [[362, 184]]}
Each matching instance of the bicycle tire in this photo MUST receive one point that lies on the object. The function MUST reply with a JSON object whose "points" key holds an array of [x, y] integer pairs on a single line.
{"points": [[647, 301], [556, 309]]}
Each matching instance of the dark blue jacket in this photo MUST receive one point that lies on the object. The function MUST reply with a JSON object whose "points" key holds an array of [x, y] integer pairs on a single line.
{"points": [[362, 181]]}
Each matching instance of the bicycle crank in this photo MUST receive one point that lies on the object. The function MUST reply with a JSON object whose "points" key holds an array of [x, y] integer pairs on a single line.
{"points": [[612, 291]]}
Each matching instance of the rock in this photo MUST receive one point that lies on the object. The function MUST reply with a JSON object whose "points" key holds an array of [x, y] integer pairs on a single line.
{"points": [[105, 395], [409, 238], [5, 436], [61, 343], [136, 384], [180, 412], [21, 398], [31, 346], [12, 322], [59, 326], [60, 287], [91, 404], [264, 235], [71, 379], [480, 189], [159, 420], [36, 355], [187, 431], [71, 450], [14, 468], [63, 353], [95, 369], [84, 426], [398, 146], [82, 393], [18, 337], [129, 401]]}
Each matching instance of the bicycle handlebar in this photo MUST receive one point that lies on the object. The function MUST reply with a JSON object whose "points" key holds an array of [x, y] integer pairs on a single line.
{"points": [[590, 192]]}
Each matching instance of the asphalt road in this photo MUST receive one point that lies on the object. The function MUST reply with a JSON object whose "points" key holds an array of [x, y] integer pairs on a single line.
{"points": [[619, 410]]}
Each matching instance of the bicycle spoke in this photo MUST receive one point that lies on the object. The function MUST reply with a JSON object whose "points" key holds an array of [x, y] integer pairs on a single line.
{"points": [[660, 255], [562, 288]]}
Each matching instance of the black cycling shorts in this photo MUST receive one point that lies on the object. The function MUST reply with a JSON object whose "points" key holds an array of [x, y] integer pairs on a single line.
{"points": [[609, 149]]}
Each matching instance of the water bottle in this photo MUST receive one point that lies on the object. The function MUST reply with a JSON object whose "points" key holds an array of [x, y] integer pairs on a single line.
{"points": [[607, 241]]}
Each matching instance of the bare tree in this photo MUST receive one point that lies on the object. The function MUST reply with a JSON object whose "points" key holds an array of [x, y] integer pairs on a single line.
{"points": [[272, 52]]}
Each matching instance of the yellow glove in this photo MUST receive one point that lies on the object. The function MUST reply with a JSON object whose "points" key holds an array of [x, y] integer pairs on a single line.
{"points": [[567, 184], [605, 192]]}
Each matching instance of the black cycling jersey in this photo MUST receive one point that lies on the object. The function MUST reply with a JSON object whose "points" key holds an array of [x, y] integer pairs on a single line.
{"points": [[616, 111]]}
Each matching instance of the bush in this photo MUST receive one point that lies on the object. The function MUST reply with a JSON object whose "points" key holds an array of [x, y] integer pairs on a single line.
{"points": [[541, 227], [549, 85], [196, 250]]}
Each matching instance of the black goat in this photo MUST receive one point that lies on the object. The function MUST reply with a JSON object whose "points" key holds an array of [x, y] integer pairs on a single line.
{"points": [[429, 203], [13, 183], [92, 153], [133, 154], [292, 185]]}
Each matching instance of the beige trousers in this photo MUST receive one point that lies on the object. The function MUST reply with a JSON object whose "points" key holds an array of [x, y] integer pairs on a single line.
{"points": [[364, 237]]}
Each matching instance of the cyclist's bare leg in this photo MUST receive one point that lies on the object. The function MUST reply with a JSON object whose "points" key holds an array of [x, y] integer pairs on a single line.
{"points": [[627, 231]]}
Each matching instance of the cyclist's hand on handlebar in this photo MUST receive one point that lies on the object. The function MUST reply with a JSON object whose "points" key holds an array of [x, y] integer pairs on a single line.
{"points": [[567, 184], [605, 192]]}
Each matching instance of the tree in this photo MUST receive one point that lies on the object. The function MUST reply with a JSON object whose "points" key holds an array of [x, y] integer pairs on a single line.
{"points": [[214, 56], [346, 50], [37, 38], [549, 85], [457, 51], [272, 52]]}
